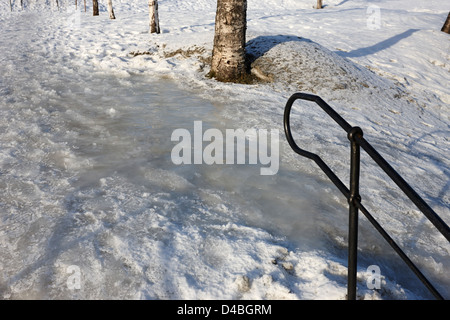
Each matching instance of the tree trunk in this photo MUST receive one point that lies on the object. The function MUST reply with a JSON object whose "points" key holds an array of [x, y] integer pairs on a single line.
{"points": [[95, 7], [111, 10], [84, 5], [446, 27], [154, 16], [10, 5], [228, 59], [319, 4]]}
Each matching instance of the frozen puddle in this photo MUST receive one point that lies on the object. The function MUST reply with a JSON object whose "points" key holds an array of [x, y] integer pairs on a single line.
{"points": [[91, 190], [92, 206]]}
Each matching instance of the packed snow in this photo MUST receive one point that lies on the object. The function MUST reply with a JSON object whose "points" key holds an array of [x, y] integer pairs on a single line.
{"points": [[92, 207]]}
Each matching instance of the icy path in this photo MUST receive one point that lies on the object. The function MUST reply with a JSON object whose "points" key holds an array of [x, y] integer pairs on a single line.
{"points": [[89, 186]]}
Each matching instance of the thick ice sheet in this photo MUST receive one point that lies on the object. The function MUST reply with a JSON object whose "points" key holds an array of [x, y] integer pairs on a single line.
{"points": [[85, 153]]}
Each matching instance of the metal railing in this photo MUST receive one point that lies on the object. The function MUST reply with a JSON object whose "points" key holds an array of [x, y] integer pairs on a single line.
{"points": [[355, 135]]}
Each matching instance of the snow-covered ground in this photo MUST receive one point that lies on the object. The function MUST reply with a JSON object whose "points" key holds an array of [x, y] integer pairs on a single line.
{"points": [[92, 206]]}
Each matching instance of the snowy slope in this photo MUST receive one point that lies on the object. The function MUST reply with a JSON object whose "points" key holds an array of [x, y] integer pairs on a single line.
{"points": [[85, 155]]}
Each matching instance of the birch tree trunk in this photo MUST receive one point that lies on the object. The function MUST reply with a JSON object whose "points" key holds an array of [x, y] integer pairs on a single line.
{"points": [[319, 4], [95, 7], [154, 16], [111, 10], [228, 59], [446, 26]]}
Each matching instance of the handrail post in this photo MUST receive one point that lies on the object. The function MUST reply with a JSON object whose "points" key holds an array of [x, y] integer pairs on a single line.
{"points": [[353, 212], [355, 135]]}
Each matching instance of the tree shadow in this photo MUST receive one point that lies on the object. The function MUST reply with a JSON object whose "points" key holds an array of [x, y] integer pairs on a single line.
{"points": [[258, 46], [341, 3], [361, 52]]}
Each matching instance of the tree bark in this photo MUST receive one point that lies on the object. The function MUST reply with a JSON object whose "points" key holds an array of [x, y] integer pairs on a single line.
{"points": [[111, 10], [95, 7], [228, 59], [319, 4], [154, 16], [446, 26]]}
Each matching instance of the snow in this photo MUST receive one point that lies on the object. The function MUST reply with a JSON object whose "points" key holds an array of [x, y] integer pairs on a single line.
{"points": [[88, 106]]}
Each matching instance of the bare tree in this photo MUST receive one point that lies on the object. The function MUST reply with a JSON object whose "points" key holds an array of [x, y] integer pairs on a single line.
{"points": [[446, 26], [228, 59], [154, 16], [95, 7], [319, 4], [111, 10]]}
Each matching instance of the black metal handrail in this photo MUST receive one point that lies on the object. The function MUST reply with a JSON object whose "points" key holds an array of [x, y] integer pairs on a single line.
{"points": [[355, 135]]}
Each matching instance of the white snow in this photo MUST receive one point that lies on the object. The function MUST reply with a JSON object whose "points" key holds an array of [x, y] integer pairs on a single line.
{"points": [[87, 109]]}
